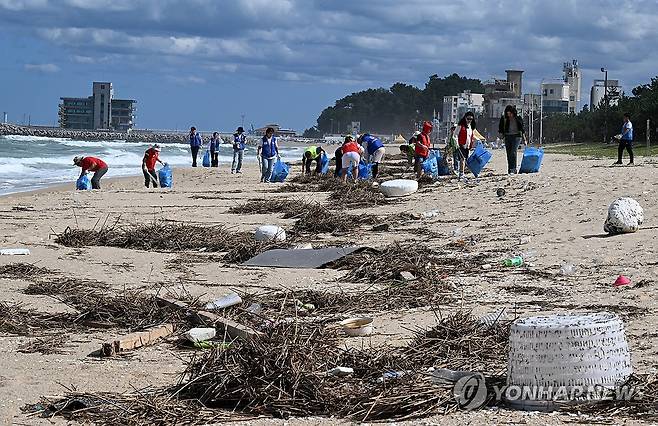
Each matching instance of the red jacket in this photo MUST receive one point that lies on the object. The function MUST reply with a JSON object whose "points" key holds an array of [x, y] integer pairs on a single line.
{"points": [[151, 157], [350, 147], [423, 142], [92, 164]]}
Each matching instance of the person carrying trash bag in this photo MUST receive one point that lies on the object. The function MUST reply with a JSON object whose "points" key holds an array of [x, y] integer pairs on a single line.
{"points": [[267, 152], [195, 144], [374, 151], [625, 140], [463, 134], [239, 144], [511, 130], [312, 153], [422, 148], [215, 141], [91, 164], [351, 157], [151, 157]]}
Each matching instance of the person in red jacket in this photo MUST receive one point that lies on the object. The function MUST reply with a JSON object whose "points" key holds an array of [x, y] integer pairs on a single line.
{"points": [[422, 148], [351, 157], [151, 156], [464, 135], [92, 164]]}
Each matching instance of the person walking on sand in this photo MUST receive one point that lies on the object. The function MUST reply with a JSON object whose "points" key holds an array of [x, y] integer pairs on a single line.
{"points": [[151, 156], [463, 134], [195, 144], [422, 148], [92, 164], [215, 141], [625, 140], [311, 154], [239, 144], [511, 130], [374, 149], [351, 157], [268, 151]]}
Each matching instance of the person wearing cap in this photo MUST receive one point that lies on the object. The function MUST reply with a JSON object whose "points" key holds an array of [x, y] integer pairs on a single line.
{"points": [[312, 153], [374, 151], [151, 156], [215, 140], [195, 144], [422, 148], [92, 164], [351, 157], [239, 144]]}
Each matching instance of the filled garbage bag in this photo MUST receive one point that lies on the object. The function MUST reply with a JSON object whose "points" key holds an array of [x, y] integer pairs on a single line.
{"points": [[532, 158], [478, 159], [165, 176], [324, 164], [83, 183], [365, 171], [431, 164], [206, 159], [280, 171]]}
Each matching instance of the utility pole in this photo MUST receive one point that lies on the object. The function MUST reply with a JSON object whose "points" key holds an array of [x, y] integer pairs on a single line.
{"points": [[648, 137], [541, 112], [605, 104]]}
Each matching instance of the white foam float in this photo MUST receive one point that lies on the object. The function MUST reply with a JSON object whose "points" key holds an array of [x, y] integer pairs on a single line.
{"points": [[270, 233], [398, 187]]}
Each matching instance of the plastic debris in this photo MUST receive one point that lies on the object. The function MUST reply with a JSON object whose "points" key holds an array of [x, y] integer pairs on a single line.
{"points": [[622, 281], [200, 334], [224, 302]]}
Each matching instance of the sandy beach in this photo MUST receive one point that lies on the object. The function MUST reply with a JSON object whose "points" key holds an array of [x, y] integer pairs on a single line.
{"points": [[555, 217]]}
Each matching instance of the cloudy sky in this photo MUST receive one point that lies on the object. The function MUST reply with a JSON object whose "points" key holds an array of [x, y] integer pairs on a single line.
{"points": [[207, 62]]}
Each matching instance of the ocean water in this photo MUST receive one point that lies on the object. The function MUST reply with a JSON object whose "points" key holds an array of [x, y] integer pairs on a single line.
{"points": [[28, 162]]}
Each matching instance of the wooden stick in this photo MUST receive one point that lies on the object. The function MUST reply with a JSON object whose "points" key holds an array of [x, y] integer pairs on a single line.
{"points": [[136, 340]]}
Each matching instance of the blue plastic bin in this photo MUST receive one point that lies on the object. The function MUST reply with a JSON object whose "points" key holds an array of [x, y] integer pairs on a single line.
{"points": [[532, 158]]}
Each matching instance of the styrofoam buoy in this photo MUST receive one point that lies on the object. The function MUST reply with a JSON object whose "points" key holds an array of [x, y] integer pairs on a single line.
{"points": [[625, 215], [570, 351], [398, 187], [270, 233]]}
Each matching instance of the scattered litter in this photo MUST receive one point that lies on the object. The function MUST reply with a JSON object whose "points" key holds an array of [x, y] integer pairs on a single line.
{"points": [[356, 327], [255, 308], [567, 269], [340, 371], [200, 334], [529, 254], [230, 299], [391, 375], [15, 252], [407, 276], [304, 246], [486, 266], [622, 281], [525, 240], [456, 232], [513, 261], [309, 259], [625, 215], [500, 192], [431, 213], [270, 233]]}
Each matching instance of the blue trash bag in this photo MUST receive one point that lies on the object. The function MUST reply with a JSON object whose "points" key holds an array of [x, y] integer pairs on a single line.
{"points": [[478, 159], [280, 171], [206, 159], [532, 158], [324, 164], [83, 183], [365, 171], [166, 177], [442, 165], [431, 164]]}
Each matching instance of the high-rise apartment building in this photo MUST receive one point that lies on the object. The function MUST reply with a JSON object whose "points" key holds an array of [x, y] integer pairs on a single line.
{"points": [[98, 112]]}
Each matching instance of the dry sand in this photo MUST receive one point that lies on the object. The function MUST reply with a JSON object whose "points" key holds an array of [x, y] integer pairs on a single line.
{"points": [[561, 210]]}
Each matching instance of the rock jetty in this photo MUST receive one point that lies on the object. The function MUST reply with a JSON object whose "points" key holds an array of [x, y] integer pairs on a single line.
{"points": [[89, 135]]}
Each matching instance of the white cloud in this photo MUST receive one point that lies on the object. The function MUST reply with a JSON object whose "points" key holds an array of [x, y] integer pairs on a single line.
{"points": [[19, 5], [45, 68]]}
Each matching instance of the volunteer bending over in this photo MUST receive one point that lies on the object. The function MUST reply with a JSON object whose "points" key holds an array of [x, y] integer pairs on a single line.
{"points": [[92, 164], [312, 153], [375, 151], [351, 157], [151, 156]]}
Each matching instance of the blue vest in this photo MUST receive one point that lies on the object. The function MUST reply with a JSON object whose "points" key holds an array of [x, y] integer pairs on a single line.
{"points": [[373, 143], [269, 150], [239, 140]]}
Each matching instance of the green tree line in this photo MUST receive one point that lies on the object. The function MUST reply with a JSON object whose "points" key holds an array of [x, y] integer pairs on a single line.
{"points": [[589, 124], [393, 110]]}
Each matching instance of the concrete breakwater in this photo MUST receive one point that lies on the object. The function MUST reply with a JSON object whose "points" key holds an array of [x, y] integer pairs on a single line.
{"points": [[89, 135]]}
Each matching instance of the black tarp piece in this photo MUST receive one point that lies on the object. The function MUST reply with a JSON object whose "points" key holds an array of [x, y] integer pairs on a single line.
{"points": [[301, 258]]}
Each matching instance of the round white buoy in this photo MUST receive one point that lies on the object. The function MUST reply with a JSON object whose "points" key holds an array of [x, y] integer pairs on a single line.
{"points": [[624, 215], [561, 353], [398, 187], [270, 233]]}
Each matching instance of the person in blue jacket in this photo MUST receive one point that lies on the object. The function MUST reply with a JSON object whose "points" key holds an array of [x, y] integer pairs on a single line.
{"points": [[375, 151], [195, 144], [268, 151], [239, 144]]}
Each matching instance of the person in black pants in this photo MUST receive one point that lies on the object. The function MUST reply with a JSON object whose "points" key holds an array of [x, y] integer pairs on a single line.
{"points": [[339, 161], [195, 144], [511, 129], [626, 140], [214, 149]]}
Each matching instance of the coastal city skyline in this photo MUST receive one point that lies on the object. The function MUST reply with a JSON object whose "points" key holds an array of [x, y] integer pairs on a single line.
{"points": [[284, 61]]}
